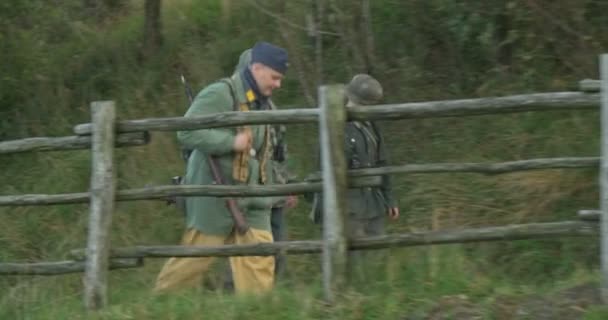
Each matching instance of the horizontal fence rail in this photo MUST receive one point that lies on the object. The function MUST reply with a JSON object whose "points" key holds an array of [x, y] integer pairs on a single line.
{"points": [[485, 168], [590, 85], [590, 215], [62, 267], [69, 143], [512, 232], [163, 192], [555, 101], [476, 167], [224, 119]]}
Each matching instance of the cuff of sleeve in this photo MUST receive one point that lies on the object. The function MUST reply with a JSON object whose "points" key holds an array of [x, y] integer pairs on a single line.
{"points": [[230, 143]]}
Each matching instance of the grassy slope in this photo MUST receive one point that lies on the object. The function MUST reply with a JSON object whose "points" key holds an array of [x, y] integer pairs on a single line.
{"points": [[410, 280]]}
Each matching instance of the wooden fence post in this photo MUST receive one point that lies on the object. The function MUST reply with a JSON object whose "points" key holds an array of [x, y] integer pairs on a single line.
{"points": [[604, 178], [333, 163], [101, 204]]}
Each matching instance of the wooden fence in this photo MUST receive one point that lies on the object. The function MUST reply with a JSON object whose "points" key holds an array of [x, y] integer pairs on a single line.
{"points": [[104, 133]]}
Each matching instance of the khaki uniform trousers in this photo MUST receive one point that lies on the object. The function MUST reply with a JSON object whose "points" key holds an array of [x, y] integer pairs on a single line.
{"points": [[252, 274]]}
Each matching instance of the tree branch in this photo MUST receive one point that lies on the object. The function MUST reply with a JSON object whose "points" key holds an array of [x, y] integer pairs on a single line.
{"points": [[269, 13]]}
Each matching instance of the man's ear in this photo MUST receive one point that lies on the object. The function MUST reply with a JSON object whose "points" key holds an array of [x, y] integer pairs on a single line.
{"points": [[256, 66]]}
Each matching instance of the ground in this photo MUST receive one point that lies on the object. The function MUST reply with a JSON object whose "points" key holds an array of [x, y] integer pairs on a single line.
{"points": [[567, 304]]}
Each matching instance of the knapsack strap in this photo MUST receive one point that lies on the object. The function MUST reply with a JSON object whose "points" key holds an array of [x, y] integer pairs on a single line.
{"points": [[235, 101], [240, 163]]}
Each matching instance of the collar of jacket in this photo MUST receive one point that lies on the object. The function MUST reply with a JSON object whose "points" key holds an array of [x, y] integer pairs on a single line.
{"points": [[251, 91], [244, 94], [239, 88]]}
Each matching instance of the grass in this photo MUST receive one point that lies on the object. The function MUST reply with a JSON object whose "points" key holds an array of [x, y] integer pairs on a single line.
{"points": [[402, 286], [95, 62]]}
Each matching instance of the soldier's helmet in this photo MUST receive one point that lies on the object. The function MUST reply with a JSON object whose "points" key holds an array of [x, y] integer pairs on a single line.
{"points": [[364, 89]]}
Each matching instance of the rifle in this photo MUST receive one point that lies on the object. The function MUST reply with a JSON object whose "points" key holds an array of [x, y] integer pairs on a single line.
{"points": [[238, 217]]}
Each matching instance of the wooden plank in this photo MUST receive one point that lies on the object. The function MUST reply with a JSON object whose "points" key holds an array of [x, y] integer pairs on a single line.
{"points": [[69, 143], [604, 178], [103, 184], [62, 267], [231, 250], [333, 163], [439, 237], [162, 192], [511, 232], [555, 101], [44, 199], [590, 215], [589, 85], [472, 167], [223, 119]]}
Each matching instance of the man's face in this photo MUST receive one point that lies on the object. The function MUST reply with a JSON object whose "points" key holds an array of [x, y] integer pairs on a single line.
{"points": [[267, 78]]}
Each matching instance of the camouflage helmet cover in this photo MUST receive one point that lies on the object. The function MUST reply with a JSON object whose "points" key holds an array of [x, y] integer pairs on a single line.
{"points": [[364, 89]]}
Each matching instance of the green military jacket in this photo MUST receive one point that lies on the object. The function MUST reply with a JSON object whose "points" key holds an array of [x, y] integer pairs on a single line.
{"points": [[210, 215], [364, 148]]}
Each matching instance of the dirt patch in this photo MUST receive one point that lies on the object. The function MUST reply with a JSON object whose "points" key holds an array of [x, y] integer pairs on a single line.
{"points": [[567, 304]]}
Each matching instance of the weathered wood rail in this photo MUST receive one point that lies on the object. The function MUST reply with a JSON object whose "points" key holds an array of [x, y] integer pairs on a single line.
{"points": [[62, 267], [557, 101], [163, 192], [589, 215], [102, 135], [590, 85], [70, 143], [354, 181], [501, 233]]}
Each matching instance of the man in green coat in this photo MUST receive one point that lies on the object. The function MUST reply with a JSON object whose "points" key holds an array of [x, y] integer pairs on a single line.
{"points": [[243, 157], [281, 175]]}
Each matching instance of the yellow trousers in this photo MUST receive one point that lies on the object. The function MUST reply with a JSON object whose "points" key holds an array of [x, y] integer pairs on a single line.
{"points": [[252, 274]]}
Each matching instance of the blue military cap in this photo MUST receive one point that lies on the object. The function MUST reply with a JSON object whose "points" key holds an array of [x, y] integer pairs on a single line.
{"points": [[270, 55]]}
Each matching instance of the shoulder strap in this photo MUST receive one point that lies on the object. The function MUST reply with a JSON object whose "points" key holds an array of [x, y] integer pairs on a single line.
{"points": [[376, 130], [228, 82]]}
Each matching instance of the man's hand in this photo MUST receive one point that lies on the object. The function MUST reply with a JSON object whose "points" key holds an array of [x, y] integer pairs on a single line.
{"points": [[291, 202], [242, 141], [393, 213]]}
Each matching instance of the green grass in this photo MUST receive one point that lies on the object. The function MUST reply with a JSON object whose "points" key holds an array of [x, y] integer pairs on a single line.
{"points": [[53, 76], [401, 286]]}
